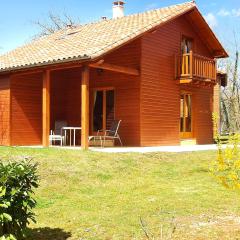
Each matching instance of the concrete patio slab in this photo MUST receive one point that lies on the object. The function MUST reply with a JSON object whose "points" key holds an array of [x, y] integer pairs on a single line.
{"points": [[173, 149]]}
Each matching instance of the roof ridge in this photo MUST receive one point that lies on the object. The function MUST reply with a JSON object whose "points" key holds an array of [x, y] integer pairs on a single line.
{"points": [[130, 15], [139, 13], [171, 6]]}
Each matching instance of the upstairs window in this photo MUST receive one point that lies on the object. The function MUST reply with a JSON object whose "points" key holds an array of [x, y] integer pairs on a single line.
{"points": [[186, 45]]}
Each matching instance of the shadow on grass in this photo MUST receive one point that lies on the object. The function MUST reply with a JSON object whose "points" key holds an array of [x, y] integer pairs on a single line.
{"points": [[47, 234]]}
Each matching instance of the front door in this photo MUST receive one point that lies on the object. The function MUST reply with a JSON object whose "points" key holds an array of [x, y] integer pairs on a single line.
{"points": [[103, 109], [186, 125]]}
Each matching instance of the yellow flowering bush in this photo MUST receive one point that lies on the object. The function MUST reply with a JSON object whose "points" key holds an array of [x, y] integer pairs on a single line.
{"points": [[226, 167]]}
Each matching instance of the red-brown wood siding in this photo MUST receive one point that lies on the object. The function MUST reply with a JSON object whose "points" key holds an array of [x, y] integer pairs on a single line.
{"points": [[26, 110], [127, 90], [65, 98], [160, 95], [4, 110], [203, 109]]}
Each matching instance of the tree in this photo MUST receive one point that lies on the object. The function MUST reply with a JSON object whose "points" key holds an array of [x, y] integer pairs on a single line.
{"points": [[226, 167], [55, 22], [230, 96]]}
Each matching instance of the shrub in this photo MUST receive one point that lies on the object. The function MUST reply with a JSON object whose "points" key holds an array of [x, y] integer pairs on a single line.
{"points": [[17, 181], [226, 167]]}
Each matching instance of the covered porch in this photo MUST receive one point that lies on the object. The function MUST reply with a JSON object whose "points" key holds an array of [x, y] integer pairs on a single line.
{"points": [[87, 97]]}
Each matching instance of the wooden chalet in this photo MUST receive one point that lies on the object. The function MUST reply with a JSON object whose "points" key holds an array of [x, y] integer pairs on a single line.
{"points": [[156, 71]]}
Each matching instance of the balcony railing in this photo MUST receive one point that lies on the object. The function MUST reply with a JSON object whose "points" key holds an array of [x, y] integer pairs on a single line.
{"points": [[194, 66]]}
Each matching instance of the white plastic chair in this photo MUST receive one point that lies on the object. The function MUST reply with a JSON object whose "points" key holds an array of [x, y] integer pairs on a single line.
{"points": [[57, 135]]}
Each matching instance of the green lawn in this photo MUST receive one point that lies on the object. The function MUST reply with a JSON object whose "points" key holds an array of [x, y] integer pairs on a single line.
{"points": [[88, 195]]}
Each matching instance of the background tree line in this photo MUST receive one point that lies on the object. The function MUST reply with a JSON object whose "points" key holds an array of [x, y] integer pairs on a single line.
{"points": [[230, 95]]}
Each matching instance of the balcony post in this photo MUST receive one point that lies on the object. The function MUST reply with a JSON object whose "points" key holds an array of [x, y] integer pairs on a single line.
{"points": [[191, 64]]}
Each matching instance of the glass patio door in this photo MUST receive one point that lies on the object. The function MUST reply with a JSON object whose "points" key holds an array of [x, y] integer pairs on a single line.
{"points": [[103, 109], [186, 45], [186, 128]]}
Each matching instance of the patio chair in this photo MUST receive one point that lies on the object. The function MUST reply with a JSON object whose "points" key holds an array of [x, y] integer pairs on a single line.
{"points": [[110, 134], [56, 135]]}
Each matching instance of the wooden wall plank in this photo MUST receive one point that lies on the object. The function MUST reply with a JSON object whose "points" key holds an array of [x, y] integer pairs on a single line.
{"points": [[5, 110], [26, 109]]}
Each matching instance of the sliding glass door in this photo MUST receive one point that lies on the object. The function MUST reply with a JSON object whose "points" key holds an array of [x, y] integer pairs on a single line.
{"points": [[103, 109]]}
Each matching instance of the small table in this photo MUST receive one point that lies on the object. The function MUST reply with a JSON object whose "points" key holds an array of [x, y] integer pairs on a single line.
{"points": [[70, 129]]}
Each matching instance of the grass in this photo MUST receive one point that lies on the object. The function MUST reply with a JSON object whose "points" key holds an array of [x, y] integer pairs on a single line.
{"points": [[89, 195]]}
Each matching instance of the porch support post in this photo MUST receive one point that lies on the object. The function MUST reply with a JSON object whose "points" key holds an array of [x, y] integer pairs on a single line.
{"points": [[46, 108], [85, 108]]}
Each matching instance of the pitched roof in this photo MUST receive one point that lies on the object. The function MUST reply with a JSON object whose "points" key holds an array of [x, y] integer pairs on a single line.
{"points": [[88, 41]]}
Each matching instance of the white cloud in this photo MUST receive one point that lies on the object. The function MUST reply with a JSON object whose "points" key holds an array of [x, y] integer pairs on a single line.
{"points": [[211, 20], [236, 12], [223, 12], [151, 6]]}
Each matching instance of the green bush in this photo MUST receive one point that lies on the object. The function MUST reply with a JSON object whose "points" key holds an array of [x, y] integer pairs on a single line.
{"points": [[226, 167], [17, 182]]}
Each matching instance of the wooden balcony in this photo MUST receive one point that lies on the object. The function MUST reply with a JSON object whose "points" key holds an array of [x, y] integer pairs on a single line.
{"points": [[196, 69]]}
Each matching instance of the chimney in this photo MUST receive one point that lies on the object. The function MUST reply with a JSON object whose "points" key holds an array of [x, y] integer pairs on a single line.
{"points": [[118, 9]]}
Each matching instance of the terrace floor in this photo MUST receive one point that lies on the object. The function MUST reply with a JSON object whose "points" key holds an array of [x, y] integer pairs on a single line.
{"points": [[173, 149], [170, 149]]}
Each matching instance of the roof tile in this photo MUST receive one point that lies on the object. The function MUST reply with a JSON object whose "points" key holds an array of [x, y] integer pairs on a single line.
{"points": [[90, 40]]}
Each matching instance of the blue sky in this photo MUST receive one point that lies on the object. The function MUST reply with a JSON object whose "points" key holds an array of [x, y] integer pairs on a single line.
{"points": [[16, 16]]}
